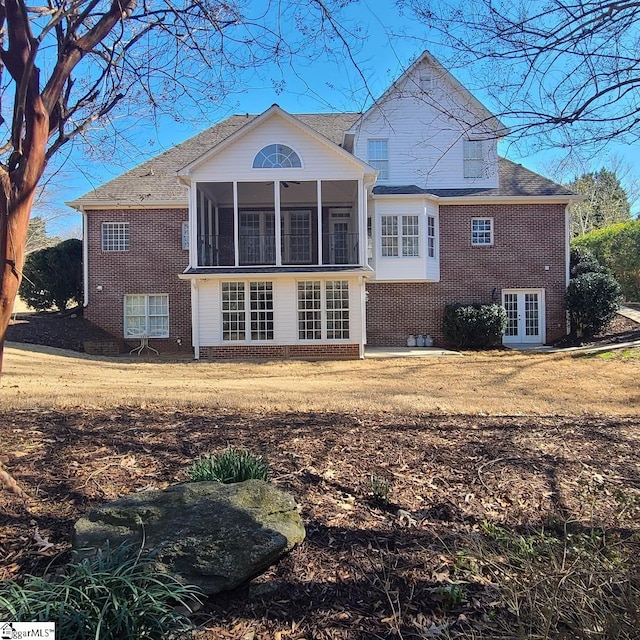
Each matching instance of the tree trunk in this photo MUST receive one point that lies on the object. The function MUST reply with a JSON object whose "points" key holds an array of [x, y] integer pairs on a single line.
{"points": [[15, 212]]}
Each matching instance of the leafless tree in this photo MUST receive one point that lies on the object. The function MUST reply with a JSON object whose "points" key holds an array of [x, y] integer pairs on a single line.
{"points": [[561, 72], [66, 65]]}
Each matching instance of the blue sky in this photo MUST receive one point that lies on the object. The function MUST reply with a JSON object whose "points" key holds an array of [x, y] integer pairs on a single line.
{"points": [[319, 85]]}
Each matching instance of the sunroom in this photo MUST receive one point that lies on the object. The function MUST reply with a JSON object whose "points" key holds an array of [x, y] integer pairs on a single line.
{"points": [[281, 222]]}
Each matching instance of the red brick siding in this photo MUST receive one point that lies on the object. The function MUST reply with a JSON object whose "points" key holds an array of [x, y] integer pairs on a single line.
{"points": [[526, 239], [281, 351], [152, 264]]}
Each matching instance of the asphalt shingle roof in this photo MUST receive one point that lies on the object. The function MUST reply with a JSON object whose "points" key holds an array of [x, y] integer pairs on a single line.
{"points": [[155, 181], [513, 180]]}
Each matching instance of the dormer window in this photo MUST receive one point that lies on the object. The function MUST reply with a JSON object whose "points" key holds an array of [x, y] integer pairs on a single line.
{"points": [[277, 156]]}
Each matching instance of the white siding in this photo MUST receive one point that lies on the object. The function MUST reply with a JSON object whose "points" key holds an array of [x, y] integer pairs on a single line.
{"points": [[426, 134], [399, 268], [285, 303], [235, 162]]}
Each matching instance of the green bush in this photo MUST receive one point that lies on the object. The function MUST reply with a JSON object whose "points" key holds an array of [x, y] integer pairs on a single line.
{"points": [[617, 247], [583, 260], [53, 276], [115, 594], [592, 300], [229, 466], [474, 325]]}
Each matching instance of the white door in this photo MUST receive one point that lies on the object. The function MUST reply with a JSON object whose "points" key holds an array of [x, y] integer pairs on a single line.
{"points": [[525, 316]]}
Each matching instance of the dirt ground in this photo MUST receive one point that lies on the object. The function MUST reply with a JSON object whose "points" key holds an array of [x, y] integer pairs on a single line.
{"points": [[365, 570]]}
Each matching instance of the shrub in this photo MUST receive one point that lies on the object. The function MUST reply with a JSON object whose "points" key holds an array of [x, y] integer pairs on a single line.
{"points": [[115, 594], [592, 300], [583, 260], [229, 466], [476, 325], [617, 247], [53, 276]]}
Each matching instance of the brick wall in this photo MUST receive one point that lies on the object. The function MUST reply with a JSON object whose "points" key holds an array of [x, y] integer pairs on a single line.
{"points": [[281, 351], [526, 239], [151, 266]]}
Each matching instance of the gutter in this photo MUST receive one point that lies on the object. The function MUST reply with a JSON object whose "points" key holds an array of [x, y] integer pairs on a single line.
{"points": [[85, 258]]}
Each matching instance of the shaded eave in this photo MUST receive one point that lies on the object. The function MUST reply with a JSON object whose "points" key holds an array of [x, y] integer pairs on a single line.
{"points": [[104, 205], [210, 273]]}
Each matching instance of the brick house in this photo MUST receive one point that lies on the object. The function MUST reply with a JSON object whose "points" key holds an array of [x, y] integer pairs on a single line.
{"points": [[313, 235]]}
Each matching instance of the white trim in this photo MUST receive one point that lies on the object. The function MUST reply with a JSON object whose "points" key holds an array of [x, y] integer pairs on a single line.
{"points": [[492, 231], [101, 205], [184, 173], [274, 275], [542, 313], [195, 318], [146, 316], [85, 258]]}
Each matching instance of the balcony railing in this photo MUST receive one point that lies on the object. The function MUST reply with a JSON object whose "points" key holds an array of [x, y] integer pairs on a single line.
{"points": [[296, 249]]}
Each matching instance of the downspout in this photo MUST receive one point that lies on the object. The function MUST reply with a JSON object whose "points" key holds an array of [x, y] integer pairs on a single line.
{"points": [[85, 259]]}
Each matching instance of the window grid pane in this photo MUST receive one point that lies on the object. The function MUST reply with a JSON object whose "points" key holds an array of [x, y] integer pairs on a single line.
{"points": [[309, 310], [115, 236], [410, 236], [389, 236], [379, 157], [431, 236], [473, 162], [261, 303], [337, 293], [233, 311], [146, 315], [277, 156], [481, 231]]}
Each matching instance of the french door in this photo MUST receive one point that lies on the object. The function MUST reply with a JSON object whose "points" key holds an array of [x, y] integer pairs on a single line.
{"points": [[525, 316]]}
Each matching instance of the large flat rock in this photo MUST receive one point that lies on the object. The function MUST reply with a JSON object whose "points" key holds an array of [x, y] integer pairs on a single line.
{"points": [[216, 536]]}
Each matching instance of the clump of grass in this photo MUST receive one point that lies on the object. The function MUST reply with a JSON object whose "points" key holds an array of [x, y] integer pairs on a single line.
{"points": [[379, 488], [586, 581], [229, 466], [115, 594]]}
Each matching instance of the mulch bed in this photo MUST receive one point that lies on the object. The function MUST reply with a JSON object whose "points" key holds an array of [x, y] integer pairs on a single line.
{"points": [[366, 570]]}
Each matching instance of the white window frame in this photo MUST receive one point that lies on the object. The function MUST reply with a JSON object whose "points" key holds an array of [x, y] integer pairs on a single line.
{"points": [[397, 244], [146, 331], [251, 320], [473, 158], [277, 156], [326, 317], [378, 156], [115, 236], [426, 80], [482, 237], [431, 236]]}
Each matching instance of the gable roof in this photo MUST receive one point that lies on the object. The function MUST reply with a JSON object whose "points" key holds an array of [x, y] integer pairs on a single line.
{"points": [[487, 117], [514, 181], [273, 111], [155, 182]]}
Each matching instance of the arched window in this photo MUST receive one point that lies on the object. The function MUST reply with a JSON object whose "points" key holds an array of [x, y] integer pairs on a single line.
{"points": [[276, 156]]}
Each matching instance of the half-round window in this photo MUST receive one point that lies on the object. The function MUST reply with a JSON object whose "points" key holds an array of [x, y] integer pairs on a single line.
{"points": [[276, 156]]}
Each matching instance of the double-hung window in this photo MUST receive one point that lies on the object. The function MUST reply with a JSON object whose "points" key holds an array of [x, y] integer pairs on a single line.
{"points": [[237, 315], [400, 235], [378, 157], [431, 237], [473, 160], [115, 236], [146, 315], [481, 232], [323, 310]]}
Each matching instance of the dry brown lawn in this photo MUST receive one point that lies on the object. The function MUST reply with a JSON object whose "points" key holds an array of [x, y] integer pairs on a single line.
{"points": [[494, 383]]}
